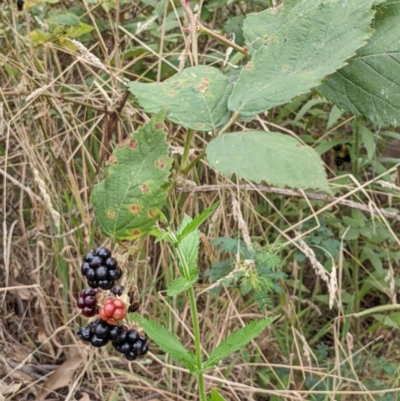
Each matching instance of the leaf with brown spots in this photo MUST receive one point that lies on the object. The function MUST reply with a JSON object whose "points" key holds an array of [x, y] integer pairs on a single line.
{"points": [[196, 98], [129, 200]]}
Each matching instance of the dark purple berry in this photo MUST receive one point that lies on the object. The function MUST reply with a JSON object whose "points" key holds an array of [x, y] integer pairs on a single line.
{"points": [[84, 333], [93, 283], [137, 347], [88, 257], [88, 311], [91, 274], [131, 356], [122, 336], [118, 290], [114, 333], [125, 348], [106, 284], [102, 252], [98, 342], [96, 262], [101, 273], [81, 303], [143, 339], [102, 330], [111, 263], [145, 349], [85, 267], [338, 161], [132, 336], [88, 292], [337, 147], [114, 274], [90, 301]]}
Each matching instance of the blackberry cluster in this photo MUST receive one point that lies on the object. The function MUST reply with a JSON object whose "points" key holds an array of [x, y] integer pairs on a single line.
{"points": [[340, 160], [128, 342], [131, 344], [343, 149], [87, 302], [100, 269]]}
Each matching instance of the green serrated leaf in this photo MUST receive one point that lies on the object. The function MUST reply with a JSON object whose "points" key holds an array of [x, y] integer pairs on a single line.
{"points": [[295, 51], [195, 98], [237, 340], [128, 202], [268, 156], [180, 284], [166, 341], [197, 221], [215, 396], [370, 84], [188, 249]]}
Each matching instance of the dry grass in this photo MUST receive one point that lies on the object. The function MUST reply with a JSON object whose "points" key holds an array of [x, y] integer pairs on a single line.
{"points": [[52, 121]]}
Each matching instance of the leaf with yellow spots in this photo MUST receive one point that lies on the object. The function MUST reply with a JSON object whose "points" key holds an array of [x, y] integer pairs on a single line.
{"points": [[129, 200]]}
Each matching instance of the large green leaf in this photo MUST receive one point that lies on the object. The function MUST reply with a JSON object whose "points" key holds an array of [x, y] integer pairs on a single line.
{"points": [[294, 51], [195, 98], [370, 84], [278, 159], [237, 340], [166, 341], [129, 200]]}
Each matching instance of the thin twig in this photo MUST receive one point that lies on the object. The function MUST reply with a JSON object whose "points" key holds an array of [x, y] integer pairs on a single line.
{"points": [[288, 192]]}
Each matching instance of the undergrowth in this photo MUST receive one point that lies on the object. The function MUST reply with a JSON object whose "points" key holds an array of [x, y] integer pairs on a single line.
{"points": [[60, 120]]}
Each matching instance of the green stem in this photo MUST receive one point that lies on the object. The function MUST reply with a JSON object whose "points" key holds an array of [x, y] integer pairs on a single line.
{"points": [[196, 332], [232, 120], [185, 269], [186, 150], [220, 38], [193, 162]]}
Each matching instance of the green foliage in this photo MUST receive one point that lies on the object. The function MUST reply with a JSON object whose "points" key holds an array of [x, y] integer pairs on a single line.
{"points": [[195, 98], [215, 396], [294, 49], [256, 273], [269, 156], [166, 341], [128, 201], [369, 84], [236, 341], [322, 241]]}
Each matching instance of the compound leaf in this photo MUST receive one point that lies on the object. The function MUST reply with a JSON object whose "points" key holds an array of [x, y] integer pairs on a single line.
{"points": [[237, 340], [278, 159], [128, 201], [196, 98], [370, 84], [166, 341], [304, 44]]}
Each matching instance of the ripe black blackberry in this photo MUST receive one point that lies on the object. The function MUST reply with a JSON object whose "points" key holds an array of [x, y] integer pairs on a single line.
{"points": [[87, 302], [100, 269], [97, 333], [338, 161], [131, 344]]}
